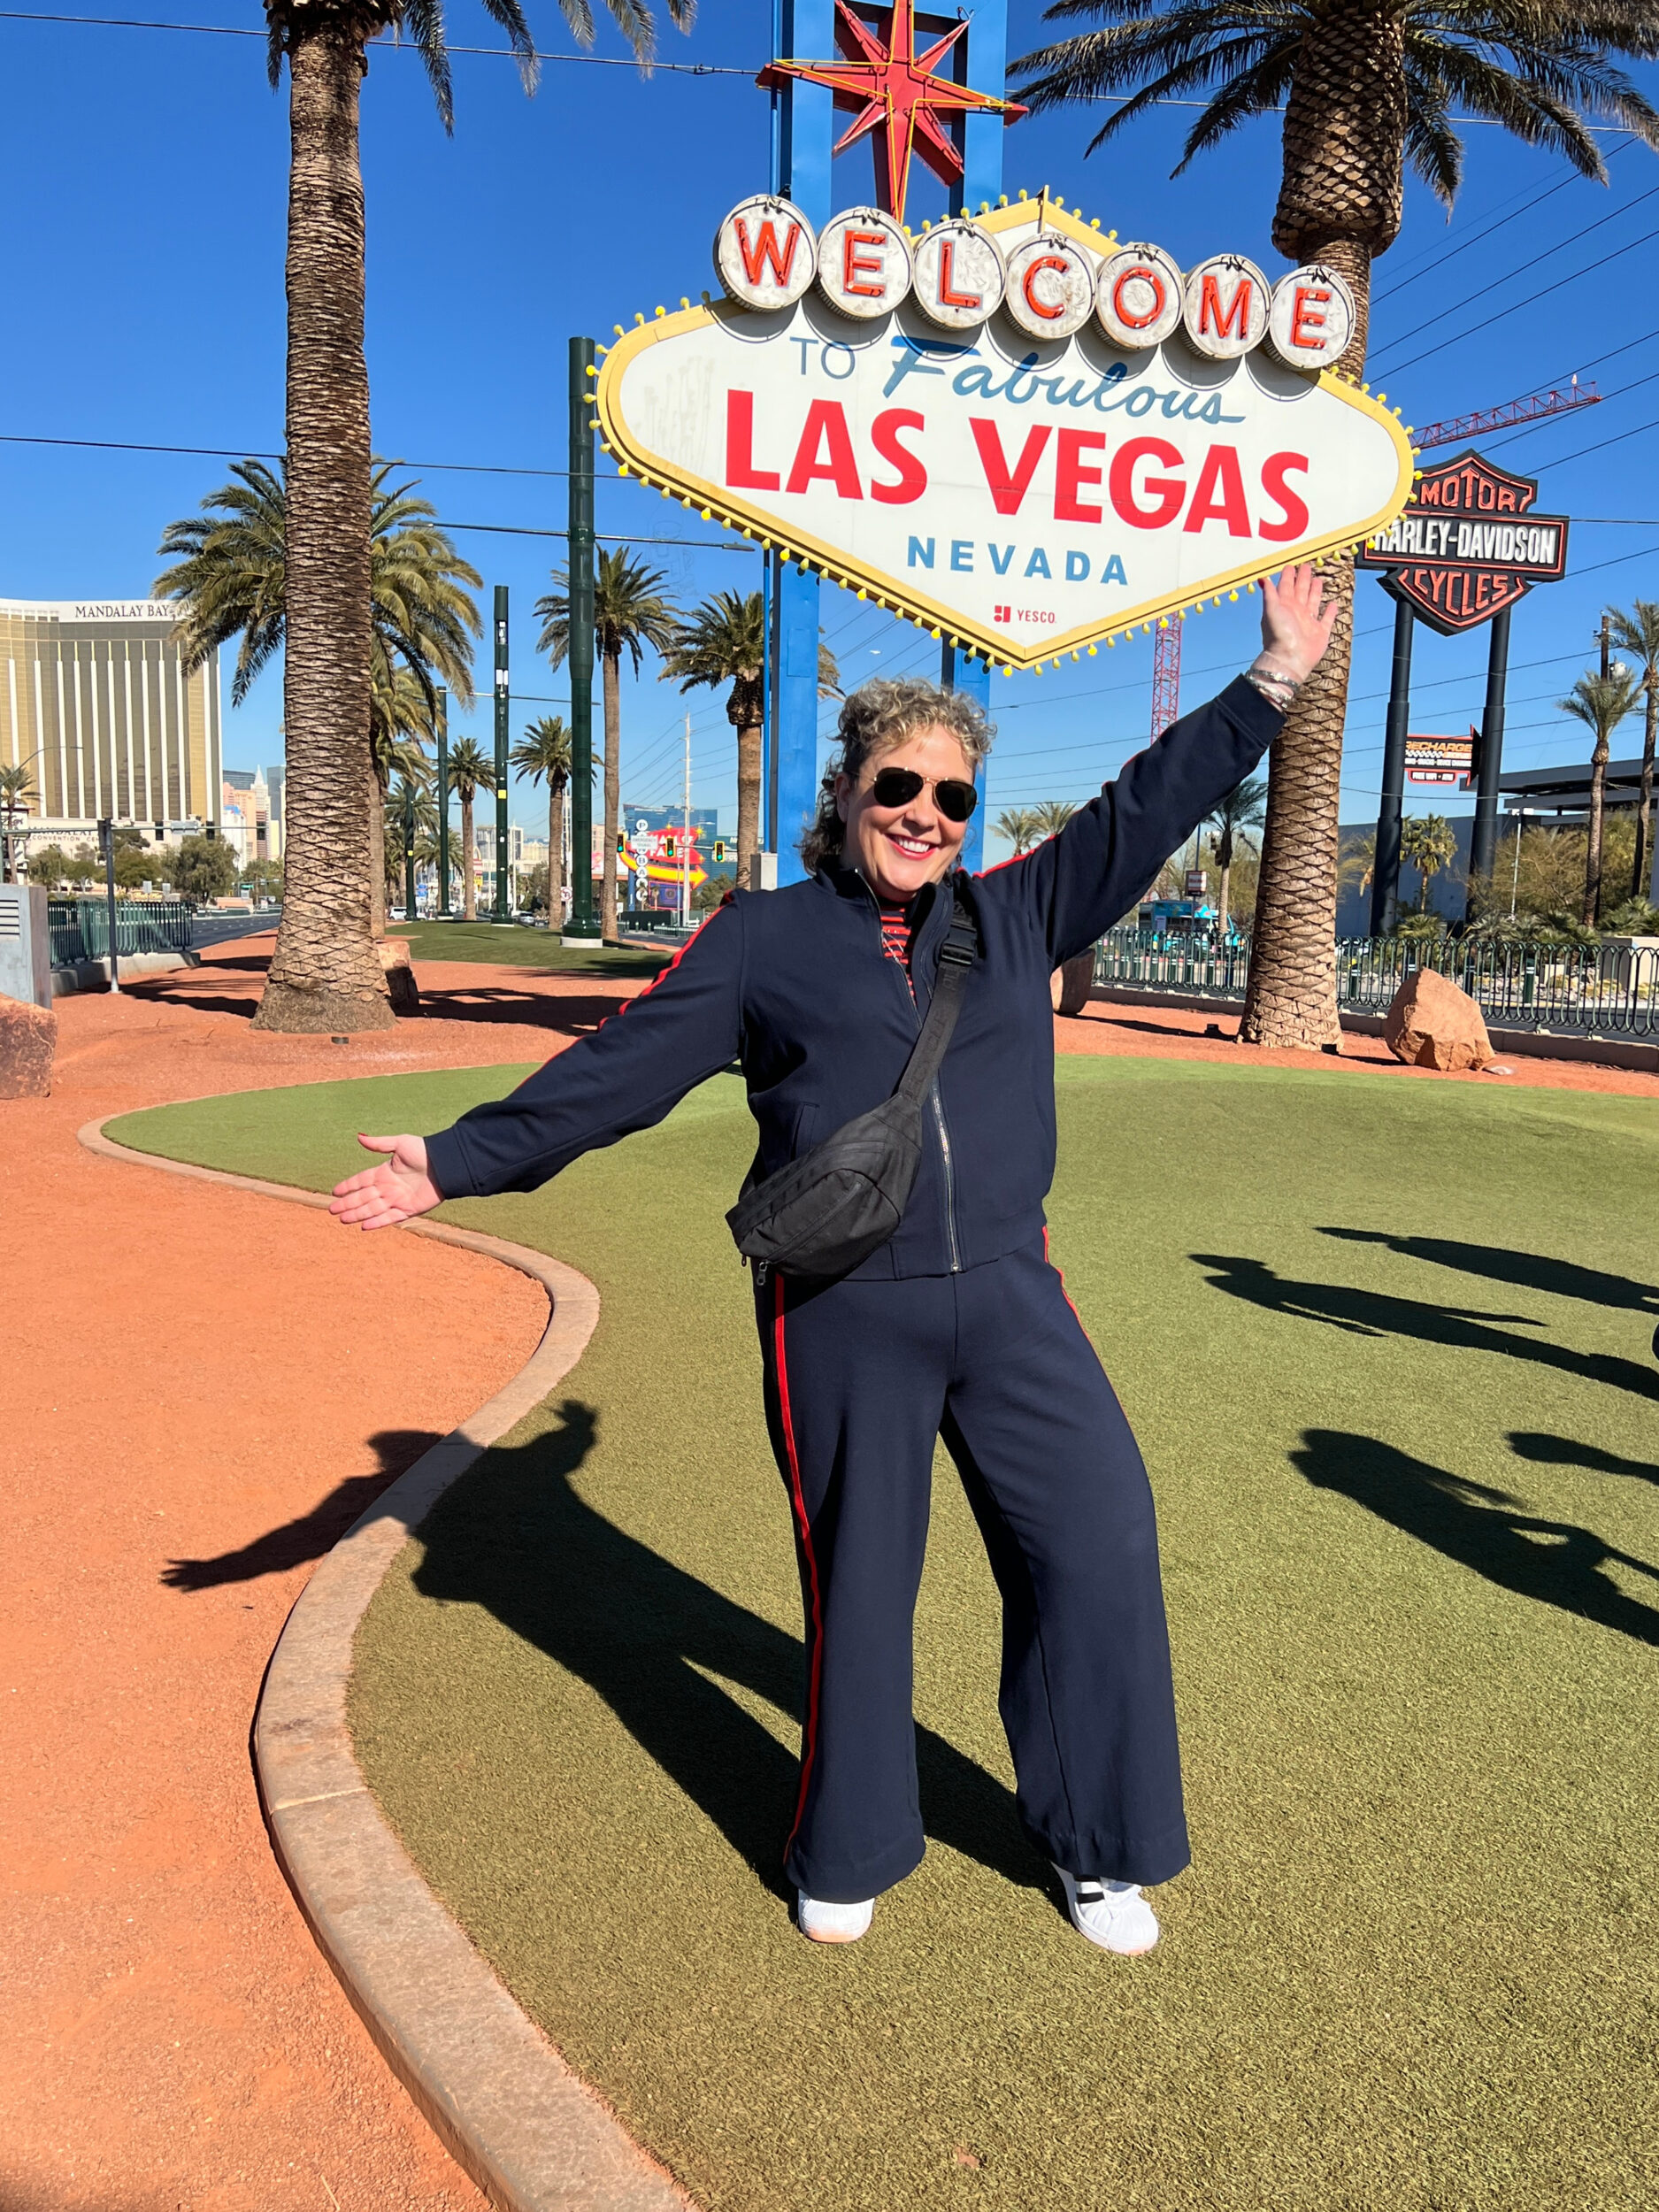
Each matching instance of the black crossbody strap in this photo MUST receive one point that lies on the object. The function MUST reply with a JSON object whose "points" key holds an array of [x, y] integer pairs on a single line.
{"points": [[956, 955]]}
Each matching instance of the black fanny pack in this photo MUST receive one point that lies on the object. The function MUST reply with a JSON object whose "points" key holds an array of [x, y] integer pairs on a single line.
{"points": [[841, 1202]]}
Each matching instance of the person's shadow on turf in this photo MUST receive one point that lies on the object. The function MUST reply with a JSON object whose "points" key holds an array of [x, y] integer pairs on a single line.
{"points": [[1525, 1271], [1482, 1529], [659, 1645], [1378, 1313]]}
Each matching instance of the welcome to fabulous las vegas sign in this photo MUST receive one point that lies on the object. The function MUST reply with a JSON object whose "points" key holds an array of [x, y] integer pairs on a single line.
{"points": [[1010, 429]]}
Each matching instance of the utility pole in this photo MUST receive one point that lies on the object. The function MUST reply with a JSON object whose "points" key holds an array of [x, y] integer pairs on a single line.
{"points": [[684, 851], [106, 846], [443, 803], [503, 707], [409, 850], [1384, 867], [1605, 636], [580, 658]]}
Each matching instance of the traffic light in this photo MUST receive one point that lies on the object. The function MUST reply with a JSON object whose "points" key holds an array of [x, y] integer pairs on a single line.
{"points": [[668, 849], [719, 848], [622, 844]]}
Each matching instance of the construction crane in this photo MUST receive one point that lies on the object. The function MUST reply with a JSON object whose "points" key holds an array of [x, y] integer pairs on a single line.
{"points": [[1531, 407]]}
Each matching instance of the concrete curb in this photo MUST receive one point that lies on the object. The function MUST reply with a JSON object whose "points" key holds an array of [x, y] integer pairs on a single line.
{"points": [[532, 2136]]}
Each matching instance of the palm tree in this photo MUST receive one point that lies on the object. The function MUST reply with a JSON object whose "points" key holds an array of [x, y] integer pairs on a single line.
{"points": [[16, 791], [629, 613], [1240, 810], [1052, 815], [1021, 828], [1429, 843], [324, 974], [231, 578], [470, 765], [409, 791], [1637, 634], [1364, 86], [402, 725], [1601, 703], [544, 750], [724, 640]]}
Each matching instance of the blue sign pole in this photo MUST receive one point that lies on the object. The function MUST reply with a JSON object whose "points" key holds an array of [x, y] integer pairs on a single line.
{"points": [[805, 30], [984, 68]]}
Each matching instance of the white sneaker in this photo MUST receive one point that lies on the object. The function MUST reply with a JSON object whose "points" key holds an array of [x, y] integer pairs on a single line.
{"points": [[833, 1924], [1113, 1914]]}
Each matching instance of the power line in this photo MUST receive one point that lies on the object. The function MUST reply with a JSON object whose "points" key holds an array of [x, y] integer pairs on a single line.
{"points": [[1503, 313], [228, 30], [1521, 268], [1432, 260]]}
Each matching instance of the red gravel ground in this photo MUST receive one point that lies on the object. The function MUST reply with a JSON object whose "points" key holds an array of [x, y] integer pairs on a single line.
{"points": [[202, 1390]]}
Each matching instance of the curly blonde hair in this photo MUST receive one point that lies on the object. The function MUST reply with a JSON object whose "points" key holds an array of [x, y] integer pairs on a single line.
{"points": [[877, 717]]}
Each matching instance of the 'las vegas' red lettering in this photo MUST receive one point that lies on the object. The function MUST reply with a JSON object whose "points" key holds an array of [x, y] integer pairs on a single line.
{"points": [[826, 425], [884, 436], [1008, 487], [1293, 507], [1070, 477], [740, 471], [1169, 491], [1218, 495]]}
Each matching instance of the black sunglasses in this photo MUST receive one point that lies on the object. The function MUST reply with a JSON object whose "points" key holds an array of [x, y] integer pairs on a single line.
{"points": [[897, 786]]}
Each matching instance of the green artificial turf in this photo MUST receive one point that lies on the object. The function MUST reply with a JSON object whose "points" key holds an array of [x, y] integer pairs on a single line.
{"points": [[1387, 1346], [516, 947]]}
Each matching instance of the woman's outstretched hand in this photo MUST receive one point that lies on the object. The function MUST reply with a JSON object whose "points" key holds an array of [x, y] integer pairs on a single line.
{"points": [[397, 1190], [1295, 625]]}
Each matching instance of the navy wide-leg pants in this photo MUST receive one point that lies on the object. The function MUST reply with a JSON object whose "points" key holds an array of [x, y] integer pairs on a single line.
{"points": [[861, 1378]]}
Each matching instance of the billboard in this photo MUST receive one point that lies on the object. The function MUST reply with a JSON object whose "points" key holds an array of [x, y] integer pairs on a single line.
{"points": [[1442, 759], [1012, 430], [1469, 544]]}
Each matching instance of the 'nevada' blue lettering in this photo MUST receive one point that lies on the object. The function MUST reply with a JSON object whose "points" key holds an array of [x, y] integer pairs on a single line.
{"points": [[1077, 568], [1000, 566], [961, 554], [1038, 564], [1113, 572], [921, 551]]}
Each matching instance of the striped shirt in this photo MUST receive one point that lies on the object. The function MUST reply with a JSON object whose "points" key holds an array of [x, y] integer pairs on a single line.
{"points": [[896, 933]]}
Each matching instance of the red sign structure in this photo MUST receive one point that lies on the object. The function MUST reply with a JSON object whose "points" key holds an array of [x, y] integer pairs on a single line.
{"points": [[898, 94], [1468, 545]]}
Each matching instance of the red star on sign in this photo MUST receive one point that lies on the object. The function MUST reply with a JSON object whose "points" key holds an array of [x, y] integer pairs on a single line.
{"points": [[897, 92]]}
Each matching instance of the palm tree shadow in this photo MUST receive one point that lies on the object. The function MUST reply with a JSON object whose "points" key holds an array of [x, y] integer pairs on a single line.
{"points": [[1377, 1313], [1552, 1562], [1562, 1451], [1525, 1271], [514, 1537]]}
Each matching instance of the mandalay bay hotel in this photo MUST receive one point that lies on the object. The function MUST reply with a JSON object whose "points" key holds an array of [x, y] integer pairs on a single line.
{"points": [[96, 704]]}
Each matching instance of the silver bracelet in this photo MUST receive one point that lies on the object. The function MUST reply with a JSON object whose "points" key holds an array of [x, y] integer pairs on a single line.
{"points": [[1277, 688]]}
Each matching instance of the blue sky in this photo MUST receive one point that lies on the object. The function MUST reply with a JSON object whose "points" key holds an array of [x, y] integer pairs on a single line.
{"points": [[146, 171]]}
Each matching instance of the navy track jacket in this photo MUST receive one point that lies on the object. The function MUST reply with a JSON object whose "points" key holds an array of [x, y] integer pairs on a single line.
{"points": [[794, 985]]}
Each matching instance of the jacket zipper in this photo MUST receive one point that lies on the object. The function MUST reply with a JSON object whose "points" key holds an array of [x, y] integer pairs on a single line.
{"points": [[938, 1106]]}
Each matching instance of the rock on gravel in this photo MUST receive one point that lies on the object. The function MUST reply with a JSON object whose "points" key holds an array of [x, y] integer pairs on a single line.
{"points": [[1431, 1024], [28, 1039]]}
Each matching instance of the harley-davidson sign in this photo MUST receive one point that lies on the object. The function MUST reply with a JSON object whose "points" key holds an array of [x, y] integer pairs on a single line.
{"points": [[1469, 544], [1011, 428]]}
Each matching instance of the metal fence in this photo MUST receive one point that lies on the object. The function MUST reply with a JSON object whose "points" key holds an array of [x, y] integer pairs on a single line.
{"points": [[1593, 990], [79, 928]]}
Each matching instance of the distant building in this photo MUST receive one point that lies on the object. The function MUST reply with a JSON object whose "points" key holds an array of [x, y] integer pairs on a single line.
{"points": [[251, 813], [638, 821], [95, 702]]}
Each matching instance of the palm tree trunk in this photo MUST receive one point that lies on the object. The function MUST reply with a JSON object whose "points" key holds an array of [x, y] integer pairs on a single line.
{"points": [[1340, 203], [1227, 874], [1644, 811], [377, 858], [748, 800], [1592, 848], [612, 663], [1290, 999], [555, 853], [469, 879], [325, 974]]}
